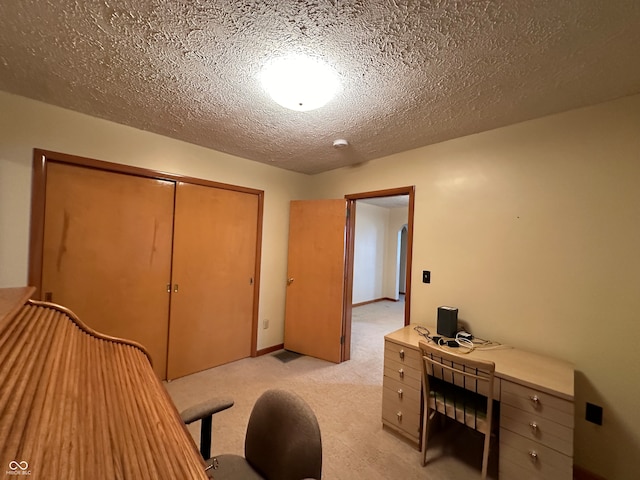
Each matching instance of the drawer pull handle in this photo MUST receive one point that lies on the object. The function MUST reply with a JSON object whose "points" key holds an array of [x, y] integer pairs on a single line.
{"points": [[401, 354], [399, 415], [400, 393], [401, 373], [534, 456], [535, 400], [534, 427]]}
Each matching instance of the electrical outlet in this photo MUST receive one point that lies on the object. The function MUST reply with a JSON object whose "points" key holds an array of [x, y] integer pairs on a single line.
{"points": [[593, 414], [265, 323]]}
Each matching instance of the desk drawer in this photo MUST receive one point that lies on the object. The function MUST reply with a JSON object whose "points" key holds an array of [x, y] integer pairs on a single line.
{"points": [[395, 414], [535, 427], [406, 397], [540, 404], [522, 458], [401, 354], [405, 374]]}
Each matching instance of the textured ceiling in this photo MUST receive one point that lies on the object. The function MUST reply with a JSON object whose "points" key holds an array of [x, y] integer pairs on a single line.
{"points": [[412, 73]]}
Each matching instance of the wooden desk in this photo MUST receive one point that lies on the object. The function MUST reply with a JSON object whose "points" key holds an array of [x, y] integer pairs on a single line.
{"points": [[76, 404], [536, 404]]}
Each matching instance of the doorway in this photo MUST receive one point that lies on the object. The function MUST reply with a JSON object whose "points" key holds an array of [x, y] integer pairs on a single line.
{"points": [[399, 197], [320, 274], [379, 263]]}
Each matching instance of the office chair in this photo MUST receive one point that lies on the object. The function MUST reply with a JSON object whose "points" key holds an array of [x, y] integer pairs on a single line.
{"points": [[282, 442], [204, 411], [460, 388]]}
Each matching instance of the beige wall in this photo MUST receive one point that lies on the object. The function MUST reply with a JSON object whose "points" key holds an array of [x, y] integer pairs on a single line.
{"points": [[369, 252], [25, 124], [533, 232]]}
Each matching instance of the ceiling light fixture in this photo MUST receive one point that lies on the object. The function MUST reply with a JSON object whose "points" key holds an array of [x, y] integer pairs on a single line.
{"points": [[299, 82]]}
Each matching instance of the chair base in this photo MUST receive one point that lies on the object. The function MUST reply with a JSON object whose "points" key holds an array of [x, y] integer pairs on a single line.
{"points": [[233, 467]]}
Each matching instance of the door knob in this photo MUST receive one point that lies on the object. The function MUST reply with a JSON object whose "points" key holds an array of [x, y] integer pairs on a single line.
{"points": [[289, 280]]}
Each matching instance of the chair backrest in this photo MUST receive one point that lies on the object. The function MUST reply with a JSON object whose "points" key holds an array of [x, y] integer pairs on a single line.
{"points": [[458, 386], [283, 438]]}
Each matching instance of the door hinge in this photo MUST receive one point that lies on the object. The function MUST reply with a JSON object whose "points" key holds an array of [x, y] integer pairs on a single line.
{"points": [[342, 340]]}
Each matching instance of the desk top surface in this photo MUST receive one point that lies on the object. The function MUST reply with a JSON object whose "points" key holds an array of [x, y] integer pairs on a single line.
{"points": [[541, 372], [12, 299]]}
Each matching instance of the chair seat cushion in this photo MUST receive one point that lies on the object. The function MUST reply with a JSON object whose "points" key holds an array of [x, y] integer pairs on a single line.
{"points": [[233, 467], [458, 403]]}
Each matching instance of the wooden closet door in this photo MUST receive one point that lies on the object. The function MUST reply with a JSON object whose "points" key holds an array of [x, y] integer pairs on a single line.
{"points": [[214, 258], [107, 252]]}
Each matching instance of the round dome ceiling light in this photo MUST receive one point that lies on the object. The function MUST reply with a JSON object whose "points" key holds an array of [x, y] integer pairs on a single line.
{"points": [[299, 82], [340, 143]]}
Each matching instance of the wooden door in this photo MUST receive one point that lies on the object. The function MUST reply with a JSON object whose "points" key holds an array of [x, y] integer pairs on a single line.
{"points": [[214, 263], [315, 313], [107, 252]]}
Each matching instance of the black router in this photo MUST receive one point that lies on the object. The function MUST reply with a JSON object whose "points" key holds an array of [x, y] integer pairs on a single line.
{"points": [[447, 321]]}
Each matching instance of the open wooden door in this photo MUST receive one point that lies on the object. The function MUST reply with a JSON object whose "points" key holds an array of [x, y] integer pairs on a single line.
{"points": [[315, 307]]}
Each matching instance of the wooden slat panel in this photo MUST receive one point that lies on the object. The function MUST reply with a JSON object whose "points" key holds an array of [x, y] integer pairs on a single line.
{"points": [[75, 404], [43, 324], [18, 370]]}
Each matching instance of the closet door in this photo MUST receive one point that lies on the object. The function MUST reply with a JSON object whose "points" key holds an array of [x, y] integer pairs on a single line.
{"points": [[107, 252], [214, 261]]}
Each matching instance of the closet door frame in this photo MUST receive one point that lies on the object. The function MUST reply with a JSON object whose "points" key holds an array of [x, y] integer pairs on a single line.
{"points": [[41, 159]]}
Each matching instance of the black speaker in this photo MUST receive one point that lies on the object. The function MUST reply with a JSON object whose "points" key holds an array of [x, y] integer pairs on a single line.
{"points": [[447, 321]]}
